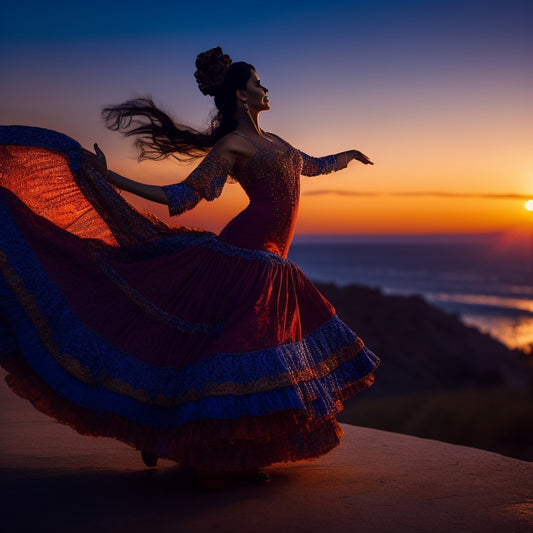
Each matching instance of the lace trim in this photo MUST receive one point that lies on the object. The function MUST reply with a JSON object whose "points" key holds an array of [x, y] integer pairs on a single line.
{"points": [[310, 366], [246, 443], [251, 255], [209, 177], [317, 365], [169, 244], [314, 166], [181, 197], [91, 385], [205, 181]]}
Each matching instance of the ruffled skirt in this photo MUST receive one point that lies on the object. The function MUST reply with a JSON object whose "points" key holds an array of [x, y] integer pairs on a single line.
{"points": [[163, 337]]}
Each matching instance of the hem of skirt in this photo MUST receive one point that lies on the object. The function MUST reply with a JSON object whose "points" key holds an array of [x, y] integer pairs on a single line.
{"points": [[245, 443]]}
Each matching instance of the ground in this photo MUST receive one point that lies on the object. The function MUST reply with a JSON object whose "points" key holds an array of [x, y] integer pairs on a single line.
{"points": [[53, 479]]}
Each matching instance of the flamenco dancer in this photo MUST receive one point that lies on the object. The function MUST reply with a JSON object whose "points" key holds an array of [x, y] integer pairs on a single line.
{"points": [[213, 351]]}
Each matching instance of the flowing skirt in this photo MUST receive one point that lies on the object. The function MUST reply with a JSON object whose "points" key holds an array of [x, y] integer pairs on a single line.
{"points": [[163, 337]]}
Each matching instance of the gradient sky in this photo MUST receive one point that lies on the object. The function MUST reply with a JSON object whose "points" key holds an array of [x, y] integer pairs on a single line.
{"points": [[437, 93]]}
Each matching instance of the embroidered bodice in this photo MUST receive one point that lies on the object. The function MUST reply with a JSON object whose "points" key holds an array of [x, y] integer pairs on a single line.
{"points": [[271, 180]]}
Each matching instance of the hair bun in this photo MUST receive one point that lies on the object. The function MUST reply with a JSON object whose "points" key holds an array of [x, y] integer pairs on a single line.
{"points": [[212, 66]]}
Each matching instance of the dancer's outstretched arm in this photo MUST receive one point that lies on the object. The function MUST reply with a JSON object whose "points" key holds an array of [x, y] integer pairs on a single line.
{"points": [[98, 162], [314, 166], [206, 181], [150, 192]]}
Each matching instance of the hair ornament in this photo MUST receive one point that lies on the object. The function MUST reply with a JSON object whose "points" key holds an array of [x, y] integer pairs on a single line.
{"points": [[212, 66]]}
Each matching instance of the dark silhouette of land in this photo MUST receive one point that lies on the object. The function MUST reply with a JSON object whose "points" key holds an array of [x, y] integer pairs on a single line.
{"points": [[438, 378]]}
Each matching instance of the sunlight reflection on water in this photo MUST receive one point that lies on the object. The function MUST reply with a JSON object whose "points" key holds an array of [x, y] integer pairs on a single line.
{"points": [[489, 288], [515, 332]]}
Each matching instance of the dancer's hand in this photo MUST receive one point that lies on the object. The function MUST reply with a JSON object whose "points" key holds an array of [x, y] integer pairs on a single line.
{"points": [[97, 162], [101, 163], [361, 157]]}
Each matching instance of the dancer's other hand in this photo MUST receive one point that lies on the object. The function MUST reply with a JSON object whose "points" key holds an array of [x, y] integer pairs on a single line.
{"points": [[97, 161]]}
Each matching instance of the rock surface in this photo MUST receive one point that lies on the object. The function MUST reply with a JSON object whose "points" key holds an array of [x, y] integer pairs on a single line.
{"points": [[53, 479]]}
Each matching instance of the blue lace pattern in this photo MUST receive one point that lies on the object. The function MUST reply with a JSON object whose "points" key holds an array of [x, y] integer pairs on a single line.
{"points": [[158, 396], [206, 181], [314, 166], [43, 138], [181, 197], [170, 244]]}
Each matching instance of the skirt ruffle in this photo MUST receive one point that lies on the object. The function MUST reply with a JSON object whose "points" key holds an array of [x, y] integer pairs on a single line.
{"points": [[163, 337]]}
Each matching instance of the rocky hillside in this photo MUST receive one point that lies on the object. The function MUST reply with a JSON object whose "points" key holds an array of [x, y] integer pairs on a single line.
{"points": [[424, 349], [438, 378]]}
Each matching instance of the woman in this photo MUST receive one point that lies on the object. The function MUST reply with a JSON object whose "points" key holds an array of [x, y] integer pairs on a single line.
{"points": [[214, 351]]}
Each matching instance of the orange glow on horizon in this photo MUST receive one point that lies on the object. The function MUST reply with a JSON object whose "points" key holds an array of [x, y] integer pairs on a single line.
{"points": [[333, 214], [417, 196]]}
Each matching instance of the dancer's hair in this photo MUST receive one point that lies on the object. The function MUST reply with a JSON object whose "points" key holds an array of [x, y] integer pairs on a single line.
{"points": [[159, 136]]}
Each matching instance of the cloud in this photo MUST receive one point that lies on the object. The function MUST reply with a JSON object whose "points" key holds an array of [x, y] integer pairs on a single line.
{"points": [[425, 194]]}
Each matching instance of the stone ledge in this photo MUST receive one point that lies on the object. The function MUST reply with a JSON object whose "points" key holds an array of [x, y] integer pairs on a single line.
{"points": [[53, 479]]}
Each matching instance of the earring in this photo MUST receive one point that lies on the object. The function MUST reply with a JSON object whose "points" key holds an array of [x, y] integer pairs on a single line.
{"points": [[245, 105]]}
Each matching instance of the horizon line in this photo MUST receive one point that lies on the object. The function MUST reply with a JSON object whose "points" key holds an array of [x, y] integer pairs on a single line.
{"points": [[439, 194], [411, 237]]}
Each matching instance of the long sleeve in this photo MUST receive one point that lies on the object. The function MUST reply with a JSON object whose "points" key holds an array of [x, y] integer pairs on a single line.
{"points": [[205, 181], [314, 166]]}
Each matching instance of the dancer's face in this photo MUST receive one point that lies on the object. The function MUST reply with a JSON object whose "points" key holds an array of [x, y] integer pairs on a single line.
{"points": [[256, 94]]}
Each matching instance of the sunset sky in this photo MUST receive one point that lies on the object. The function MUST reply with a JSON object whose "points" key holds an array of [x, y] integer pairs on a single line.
{"points": [[438, 94]]}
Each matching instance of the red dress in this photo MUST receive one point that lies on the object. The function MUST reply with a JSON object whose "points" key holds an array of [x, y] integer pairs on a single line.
{"points": [[214, 351]]}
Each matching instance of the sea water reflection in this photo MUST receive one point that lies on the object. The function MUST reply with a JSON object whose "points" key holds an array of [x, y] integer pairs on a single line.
{"points": [[488, 286]]}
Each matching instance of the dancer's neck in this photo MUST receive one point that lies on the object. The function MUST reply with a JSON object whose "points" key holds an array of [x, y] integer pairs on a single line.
{"points": [[248, 124]]}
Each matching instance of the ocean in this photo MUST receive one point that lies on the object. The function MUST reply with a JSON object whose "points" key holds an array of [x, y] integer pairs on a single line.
{"points": [[485, 279]]}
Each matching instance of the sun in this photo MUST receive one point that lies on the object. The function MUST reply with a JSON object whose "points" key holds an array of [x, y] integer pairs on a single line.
{"points": [[529, 205]]}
